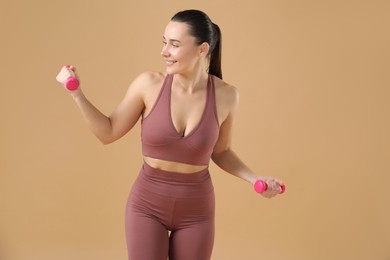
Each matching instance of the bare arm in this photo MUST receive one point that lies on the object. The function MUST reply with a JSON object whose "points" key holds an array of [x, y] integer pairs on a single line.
{"points": [[110, 128], [228, 160], [223, 155]]}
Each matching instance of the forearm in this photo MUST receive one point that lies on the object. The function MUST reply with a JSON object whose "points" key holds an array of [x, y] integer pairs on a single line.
{"points": [[231, 163], [97, 122]]}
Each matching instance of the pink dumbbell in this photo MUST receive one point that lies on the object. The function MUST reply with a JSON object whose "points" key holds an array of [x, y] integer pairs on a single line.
{"points": [[72, 83], [261, 186]]}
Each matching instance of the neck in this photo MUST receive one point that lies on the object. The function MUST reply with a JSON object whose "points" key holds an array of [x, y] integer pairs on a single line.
{"points": [[192, 81]]}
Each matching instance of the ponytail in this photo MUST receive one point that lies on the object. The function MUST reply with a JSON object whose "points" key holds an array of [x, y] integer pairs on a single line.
{"points": [[216, 53], [204, 30]]}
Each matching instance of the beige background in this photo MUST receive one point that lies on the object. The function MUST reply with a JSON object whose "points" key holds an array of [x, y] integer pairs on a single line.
{"points": [[314, 84]]}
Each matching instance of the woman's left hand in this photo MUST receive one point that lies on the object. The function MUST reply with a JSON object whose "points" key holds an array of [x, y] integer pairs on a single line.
{"points": [[274, 186]]}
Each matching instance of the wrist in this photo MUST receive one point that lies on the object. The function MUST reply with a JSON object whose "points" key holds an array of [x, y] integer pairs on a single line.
{"points": [[251, 178], [77, 94]]}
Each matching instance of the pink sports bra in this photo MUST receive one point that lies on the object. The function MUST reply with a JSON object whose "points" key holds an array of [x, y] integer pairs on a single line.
{"points": [[160, 139]]}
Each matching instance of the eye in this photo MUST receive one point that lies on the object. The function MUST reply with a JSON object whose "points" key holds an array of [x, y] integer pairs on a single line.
{"points": [[174, 45]]}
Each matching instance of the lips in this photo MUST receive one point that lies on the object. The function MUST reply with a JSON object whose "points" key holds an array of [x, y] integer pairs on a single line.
{"points": [[170, 62]]}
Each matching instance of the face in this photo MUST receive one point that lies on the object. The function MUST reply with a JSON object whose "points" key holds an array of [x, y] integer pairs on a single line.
{"points": [[180, 51]]}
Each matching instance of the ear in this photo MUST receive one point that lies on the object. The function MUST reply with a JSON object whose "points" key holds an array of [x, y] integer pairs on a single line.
{"points": [[204, 49]]}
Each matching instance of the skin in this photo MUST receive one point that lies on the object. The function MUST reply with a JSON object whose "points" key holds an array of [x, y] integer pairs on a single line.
{"points": [[188, 61]]}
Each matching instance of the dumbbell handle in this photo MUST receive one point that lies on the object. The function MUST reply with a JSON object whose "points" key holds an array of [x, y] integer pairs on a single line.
{"points": [[261, 186], [71, 83]]}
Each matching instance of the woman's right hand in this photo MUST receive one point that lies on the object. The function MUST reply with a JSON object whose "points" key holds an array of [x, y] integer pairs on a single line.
{"points": [[66, 73]]}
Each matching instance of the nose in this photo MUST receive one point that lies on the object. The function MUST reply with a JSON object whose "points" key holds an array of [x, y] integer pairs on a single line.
{"points": [[164, 51]]}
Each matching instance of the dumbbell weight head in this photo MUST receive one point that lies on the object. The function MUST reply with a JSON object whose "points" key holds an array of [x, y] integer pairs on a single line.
{"points": [[72, 84]]}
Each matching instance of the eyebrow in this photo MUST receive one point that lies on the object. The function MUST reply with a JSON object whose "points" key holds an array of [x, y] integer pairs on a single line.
{"points": [[172, 40]]}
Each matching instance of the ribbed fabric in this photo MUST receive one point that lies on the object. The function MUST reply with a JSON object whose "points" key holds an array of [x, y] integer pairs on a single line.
{"points": [[183, 203], [161, 140]]}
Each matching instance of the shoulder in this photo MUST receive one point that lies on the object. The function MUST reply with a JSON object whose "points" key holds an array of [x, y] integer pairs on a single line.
{"points": [[146, 82], [226, 93], [148, 78]]}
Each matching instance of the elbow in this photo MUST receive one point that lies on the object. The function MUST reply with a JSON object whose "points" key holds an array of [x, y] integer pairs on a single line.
{"points": [[217, 155], [105, 140], [106, 137], [106, 134]]}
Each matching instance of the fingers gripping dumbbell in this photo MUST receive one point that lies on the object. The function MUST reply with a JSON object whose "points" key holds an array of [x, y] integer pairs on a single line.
{"points": [[72, 83], [261, 186]]}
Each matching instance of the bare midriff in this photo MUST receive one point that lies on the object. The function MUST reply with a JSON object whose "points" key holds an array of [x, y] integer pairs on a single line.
{"points": [[173, 166]]}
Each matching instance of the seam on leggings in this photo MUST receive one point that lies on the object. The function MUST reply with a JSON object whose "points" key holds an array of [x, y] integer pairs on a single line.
{"points": [[173, 214]]}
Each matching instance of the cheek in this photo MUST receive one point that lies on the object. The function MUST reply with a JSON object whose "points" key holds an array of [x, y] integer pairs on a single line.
{"points": [[176, 53], [185, 55]]}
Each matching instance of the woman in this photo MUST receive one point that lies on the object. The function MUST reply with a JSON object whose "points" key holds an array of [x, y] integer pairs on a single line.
{"points": [[187, 116]]}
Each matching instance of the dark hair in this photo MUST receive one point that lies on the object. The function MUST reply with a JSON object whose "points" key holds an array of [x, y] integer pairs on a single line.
{"points": [[204, 30]]}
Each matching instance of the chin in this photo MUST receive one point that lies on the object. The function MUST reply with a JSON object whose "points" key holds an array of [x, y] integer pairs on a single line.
{"points": [[171, 71]]}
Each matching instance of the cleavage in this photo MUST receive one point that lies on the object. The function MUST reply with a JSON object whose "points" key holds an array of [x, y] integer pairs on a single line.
{"points": [[187, 110]]}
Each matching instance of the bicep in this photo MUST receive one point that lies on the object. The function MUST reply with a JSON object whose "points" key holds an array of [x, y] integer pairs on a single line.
{"points": [[226, 129], [225, 136], [129, 110]]}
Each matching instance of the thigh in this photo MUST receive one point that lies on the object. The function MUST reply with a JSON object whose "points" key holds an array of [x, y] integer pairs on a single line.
{"points": [[192, 243], [193, 235], [146, 237]]}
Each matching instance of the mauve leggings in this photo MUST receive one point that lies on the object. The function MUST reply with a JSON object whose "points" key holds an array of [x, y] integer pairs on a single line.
{"points": [[162, 201]]}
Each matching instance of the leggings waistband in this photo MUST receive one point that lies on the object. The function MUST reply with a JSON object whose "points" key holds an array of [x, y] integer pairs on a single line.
{"points": [[174, 184]]}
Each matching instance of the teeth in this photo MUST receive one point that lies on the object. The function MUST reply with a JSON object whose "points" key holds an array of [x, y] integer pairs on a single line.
{"points": [[169, 62]]}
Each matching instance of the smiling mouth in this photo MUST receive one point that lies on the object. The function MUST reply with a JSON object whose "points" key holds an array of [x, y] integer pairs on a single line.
{"points": [[170, 62]]}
